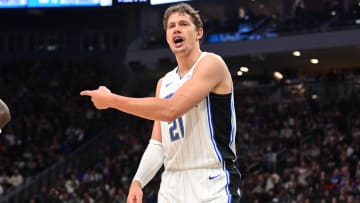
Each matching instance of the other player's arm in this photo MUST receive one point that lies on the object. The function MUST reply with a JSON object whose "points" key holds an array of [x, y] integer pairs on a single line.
{"points": [[209, 73], [5, 115]]}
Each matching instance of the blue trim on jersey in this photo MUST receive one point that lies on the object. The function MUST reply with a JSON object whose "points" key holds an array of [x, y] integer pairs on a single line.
{"points": [[232, 119], [233, 130], [219, 155], [208, 108], [227, 187], [232, 138]]}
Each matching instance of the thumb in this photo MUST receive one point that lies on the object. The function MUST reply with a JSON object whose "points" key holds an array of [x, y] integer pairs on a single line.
{"points": [[139, 197], [103, 88], [132, 199]]}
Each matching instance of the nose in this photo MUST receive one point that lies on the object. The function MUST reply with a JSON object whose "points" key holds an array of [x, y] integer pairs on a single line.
{"points": [[176, 29]]}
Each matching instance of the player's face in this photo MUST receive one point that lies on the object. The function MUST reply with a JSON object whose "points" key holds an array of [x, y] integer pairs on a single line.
{"points": [[181, 33]]}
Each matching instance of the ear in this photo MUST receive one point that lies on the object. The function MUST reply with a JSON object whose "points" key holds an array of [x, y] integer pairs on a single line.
{"points": [[200, 33]]}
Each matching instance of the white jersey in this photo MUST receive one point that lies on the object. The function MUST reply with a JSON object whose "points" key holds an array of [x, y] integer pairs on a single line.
{"points": [[204, 137]]}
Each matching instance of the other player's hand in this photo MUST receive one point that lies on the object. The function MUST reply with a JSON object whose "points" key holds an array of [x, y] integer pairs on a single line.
{"points": [[99, 97], [135, 193]]}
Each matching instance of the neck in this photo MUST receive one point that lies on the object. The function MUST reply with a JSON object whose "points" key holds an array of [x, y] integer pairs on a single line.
{"points": [[185, 62]]}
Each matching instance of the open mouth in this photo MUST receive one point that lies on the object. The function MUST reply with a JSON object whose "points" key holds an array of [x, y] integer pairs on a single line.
{"points": [[178, 40]]}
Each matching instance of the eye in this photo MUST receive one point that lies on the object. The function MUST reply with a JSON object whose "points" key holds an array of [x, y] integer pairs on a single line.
{"points": [[183, 23], [171, 25]]}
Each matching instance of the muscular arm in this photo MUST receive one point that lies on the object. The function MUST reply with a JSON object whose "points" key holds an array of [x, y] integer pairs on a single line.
{"points": [[210, 75]]}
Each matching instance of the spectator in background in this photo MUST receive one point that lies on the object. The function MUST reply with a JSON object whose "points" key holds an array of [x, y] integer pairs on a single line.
{"points": [[16, 179]]}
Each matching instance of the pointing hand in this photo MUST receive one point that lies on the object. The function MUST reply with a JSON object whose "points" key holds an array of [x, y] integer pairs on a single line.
{"points": [[99, 97]]}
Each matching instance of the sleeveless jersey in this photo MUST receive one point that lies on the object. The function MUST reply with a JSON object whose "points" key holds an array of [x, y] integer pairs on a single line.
{"points": [[204, 137]]}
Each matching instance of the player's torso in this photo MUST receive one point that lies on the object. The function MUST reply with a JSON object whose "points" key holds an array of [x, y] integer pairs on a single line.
{"points": [[189, 141], [186, 140]]}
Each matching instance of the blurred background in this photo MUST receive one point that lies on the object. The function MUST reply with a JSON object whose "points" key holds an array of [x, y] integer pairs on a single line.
{"points": [[296, 71]]}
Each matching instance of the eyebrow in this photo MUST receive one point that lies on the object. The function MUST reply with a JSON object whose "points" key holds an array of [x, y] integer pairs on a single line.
{"points": [[180, 21]]}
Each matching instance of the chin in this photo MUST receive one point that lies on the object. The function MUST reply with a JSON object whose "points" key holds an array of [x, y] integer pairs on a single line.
{"points": [[179, 51]]}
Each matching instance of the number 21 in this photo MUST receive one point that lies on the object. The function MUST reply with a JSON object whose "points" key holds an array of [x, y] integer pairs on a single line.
{"points": [[176, 129]]}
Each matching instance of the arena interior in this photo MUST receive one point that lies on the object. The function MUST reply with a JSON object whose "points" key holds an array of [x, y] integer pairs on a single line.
{"points": [[296, 71]]}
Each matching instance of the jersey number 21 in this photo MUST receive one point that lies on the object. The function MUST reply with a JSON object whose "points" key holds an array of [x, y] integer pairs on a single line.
{"points": [[176, 129]]}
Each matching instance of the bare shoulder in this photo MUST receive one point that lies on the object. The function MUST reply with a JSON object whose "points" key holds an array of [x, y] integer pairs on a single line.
{"points": [[213, 68], [214, 58], [213, 63]]}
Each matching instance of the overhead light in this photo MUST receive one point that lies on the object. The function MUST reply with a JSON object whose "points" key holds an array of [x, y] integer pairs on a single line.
{"points": [[314, 61], [244, 69], [239, 73], [277, 75], [296, 53], [357, 21], [333, 13]]}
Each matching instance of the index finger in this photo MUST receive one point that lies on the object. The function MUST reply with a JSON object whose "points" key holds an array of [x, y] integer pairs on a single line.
{"points": [[86, 93]]}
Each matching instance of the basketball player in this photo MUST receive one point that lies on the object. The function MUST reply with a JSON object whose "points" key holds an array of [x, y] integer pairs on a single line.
{"points": [[4, 114], [194, 120]]}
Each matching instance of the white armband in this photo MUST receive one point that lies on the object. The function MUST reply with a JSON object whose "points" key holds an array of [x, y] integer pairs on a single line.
{"points": [[151, 162]]}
